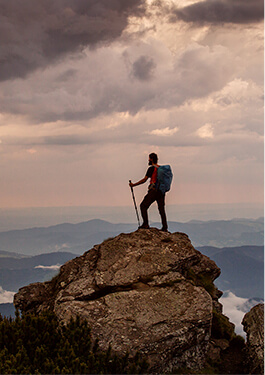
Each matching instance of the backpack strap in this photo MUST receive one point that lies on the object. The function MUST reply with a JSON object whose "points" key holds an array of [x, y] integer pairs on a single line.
{"points": [[153, 180], [154, 175]]}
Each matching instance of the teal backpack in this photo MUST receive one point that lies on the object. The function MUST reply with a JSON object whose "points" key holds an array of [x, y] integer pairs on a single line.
{"points": [[164, 178]]}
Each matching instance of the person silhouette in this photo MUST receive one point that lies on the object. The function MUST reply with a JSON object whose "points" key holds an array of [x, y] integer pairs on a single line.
{"points": [[153, 194]]}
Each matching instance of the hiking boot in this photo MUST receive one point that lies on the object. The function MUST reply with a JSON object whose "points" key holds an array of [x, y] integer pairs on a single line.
{"points": [[144, 226]]}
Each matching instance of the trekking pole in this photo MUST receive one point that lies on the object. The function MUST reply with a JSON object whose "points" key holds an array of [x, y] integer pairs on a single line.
{"points": [[135, 205]]}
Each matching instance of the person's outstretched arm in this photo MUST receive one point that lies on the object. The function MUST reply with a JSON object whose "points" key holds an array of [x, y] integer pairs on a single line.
{"points": [[142, 181]]}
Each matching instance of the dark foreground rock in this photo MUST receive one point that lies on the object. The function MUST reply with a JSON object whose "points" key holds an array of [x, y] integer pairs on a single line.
{"points": [[146, 291], [253, 323]]}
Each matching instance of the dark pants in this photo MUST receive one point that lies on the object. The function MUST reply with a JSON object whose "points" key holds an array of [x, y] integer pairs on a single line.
{"points": [[151, 196]]}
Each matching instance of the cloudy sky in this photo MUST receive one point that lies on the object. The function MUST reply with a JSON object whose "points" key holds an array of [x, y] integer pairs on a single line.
{"points": [[90, 87]]}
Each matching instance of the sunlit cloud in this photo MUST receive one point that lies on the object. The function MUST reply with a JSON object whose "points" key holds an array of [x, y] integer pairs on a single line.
{"points": [[164, 132], [206, 131], [53, 267], [222, 11]]}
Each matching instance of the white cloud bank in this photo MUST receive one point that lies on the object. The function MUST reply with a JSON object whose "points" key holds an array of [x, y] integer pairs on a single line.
{"points": [[235, 308], [6, 296], [53, 267]]}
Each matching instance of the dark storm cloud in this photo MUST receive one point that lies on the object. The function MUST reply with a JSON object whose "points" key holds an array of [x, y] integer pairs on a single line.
{"points": [[143, 68], [36, 33], [222, 11]]}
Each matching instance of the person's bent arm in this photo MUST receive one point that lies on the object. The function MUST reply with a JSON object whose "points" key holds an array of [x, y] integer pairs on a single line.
{"points": [[142, 181]]}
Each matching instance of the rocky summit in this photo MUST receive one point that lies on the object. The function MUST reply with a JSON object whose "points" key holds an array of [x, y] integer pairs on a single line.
{"points": [[147, 291]]}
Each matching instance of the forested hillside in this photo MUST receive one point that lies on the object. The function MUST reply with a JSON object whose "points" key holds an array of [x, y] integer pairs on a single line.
{"points": [[41, 345]]}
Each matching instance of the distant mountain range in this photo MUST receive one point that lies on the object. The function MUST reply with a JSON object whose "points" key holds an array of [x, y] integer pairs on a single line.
{"points": [[222, 233], [16, 271], [77, 238], [242, 269]]}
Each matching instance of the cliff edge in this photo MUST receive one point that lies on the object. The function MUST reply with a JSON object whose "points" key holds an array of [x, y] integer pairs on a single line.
{"points": [[146, 291]]}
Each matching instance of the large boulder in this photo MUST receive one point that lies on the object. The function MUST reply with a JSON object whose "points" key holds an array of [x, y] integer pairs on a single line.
{"points": [[253, 323], [147, 291]]}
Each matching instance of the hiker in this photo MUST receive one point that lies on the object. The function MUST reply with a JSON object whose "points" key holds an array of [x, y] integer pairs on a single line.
{"points": [[154, 194]]}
